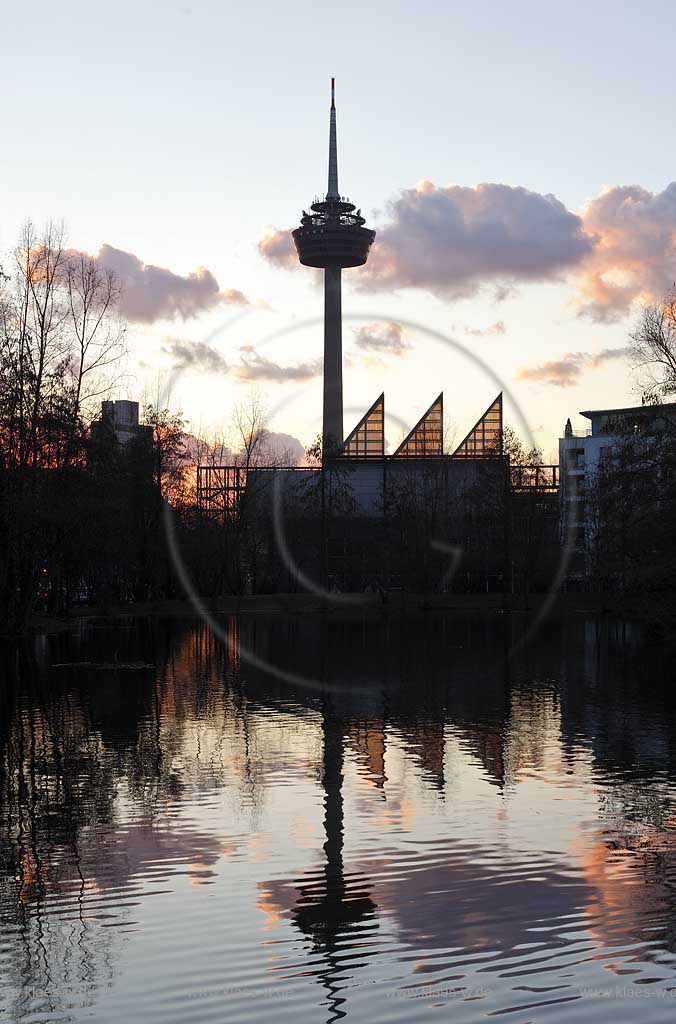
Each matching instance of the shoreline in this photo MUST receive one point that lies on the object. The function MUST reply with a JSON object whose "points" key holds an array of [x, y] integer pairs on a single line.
{"points": [[349, 605]]}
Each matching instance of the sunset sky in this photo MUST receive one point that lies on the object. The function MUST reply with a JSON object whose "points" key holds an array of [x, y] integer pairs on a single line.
{"points": [[516, 161]]}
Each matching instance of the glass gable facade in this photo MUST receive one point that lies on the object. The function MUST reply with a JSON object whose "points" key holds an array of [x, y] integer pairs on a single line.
{"points": [[367, 440], [485, 438], [427, 437]]}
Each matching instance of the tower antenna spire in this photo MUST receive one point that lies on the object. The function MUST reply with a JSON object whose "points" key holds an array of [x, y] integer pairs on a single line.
{"points": [[332, 192]]}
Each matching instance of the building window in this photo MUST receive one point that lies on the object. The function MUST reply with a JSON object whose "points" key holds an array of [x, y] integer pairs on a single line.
{"points": [[575, 458]]}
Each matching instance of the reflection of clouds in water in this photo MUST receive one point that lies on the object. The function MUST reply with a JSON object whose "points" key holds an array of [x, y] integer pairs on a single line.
{"points": [[486, 908], [632, 878], [464, 822], [139, 849]]}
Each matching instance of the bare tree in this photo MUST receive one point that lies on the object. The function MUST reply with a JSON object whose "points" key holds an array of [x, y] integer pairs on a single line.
{"points": [[58, 334], [250, 430], [97, 333], [34, 349], [653, 350]]}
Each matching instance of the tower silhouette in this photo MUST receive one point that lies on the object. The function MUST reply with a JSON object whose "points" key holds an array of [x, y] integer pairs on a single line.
{"points": [[332, 236]]}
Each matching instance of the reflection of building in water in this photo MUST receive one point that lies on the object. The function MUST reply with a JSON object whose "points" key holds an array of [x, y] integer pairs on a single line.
{"points": [[485, 741], [425, 740], [410, 679], [72, 770], [532, 732], [367, 740]]}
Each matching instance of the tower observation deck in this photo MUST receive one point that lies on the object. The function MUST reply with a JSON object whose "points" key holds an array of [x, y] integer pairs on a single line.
{"points": [[333, 236]]}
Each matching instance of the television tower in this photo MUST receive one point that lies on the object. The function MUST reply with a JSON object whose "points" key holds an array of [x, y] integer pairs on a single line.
{"points": [[332, 236]]}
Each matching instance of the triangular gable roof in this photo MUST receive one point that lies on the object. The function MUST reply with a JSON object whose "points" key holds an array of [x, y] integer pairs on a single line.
{"points": [[367, 440], [485, 437], [427, 436]]}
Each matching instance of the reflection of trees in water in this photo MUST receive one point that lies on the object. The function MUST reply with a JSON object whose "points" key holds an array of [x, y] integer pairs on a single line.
{"points": [[632, 880], [618, 709], [631, 863], [52, 787], [74, 744], [70, 742]]}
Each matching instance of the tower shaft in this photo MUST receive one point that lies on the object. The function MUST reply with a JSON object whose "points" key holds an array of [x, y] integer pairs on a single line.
{"points": [[332, 425]]}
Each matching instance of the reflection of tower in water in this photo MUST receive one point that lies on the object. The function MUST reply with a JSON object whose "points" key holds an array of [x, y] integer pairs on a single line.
{"points": [[332, 903]]}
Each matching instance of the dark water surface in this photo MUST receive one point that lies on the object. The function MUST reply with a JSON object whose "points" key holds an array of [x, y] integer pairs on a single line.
{"points": [[430, 831]]}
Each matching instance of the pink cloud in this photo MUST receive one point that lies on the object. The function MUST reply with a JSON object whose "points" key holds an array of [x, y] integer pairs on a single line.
{"points": [[565, 372], [452, 240], [277, 247], [634, 256], [149, 293]]}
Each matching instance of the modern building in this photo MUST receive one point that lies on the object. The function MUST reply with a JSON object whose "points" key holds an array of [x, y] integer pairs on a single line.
{"points": [[371, 475], [122, 417], [119, 424], [581, 452], [415, 519]]}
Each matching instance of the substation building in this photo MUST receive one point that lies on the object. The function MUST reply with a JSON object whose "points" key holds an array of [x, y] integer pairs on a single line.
{"points": [[417, 518]]}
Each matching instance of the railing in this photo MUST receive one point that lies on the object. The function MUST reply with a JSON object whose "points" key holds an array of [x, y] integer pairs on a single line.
{"points": [[220, 488], [535, 478]]}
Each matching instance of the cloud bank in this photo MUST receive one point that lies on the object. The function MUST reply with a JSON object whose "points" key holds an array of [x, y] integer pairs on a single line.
{"points": [[150, 293], [255, 367], [278, 248], [200, 357], [382, 338], [285, 447], [195, 355], [276, 446], [634, 256], [452, 240], [566, 372], [485, 332]]}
